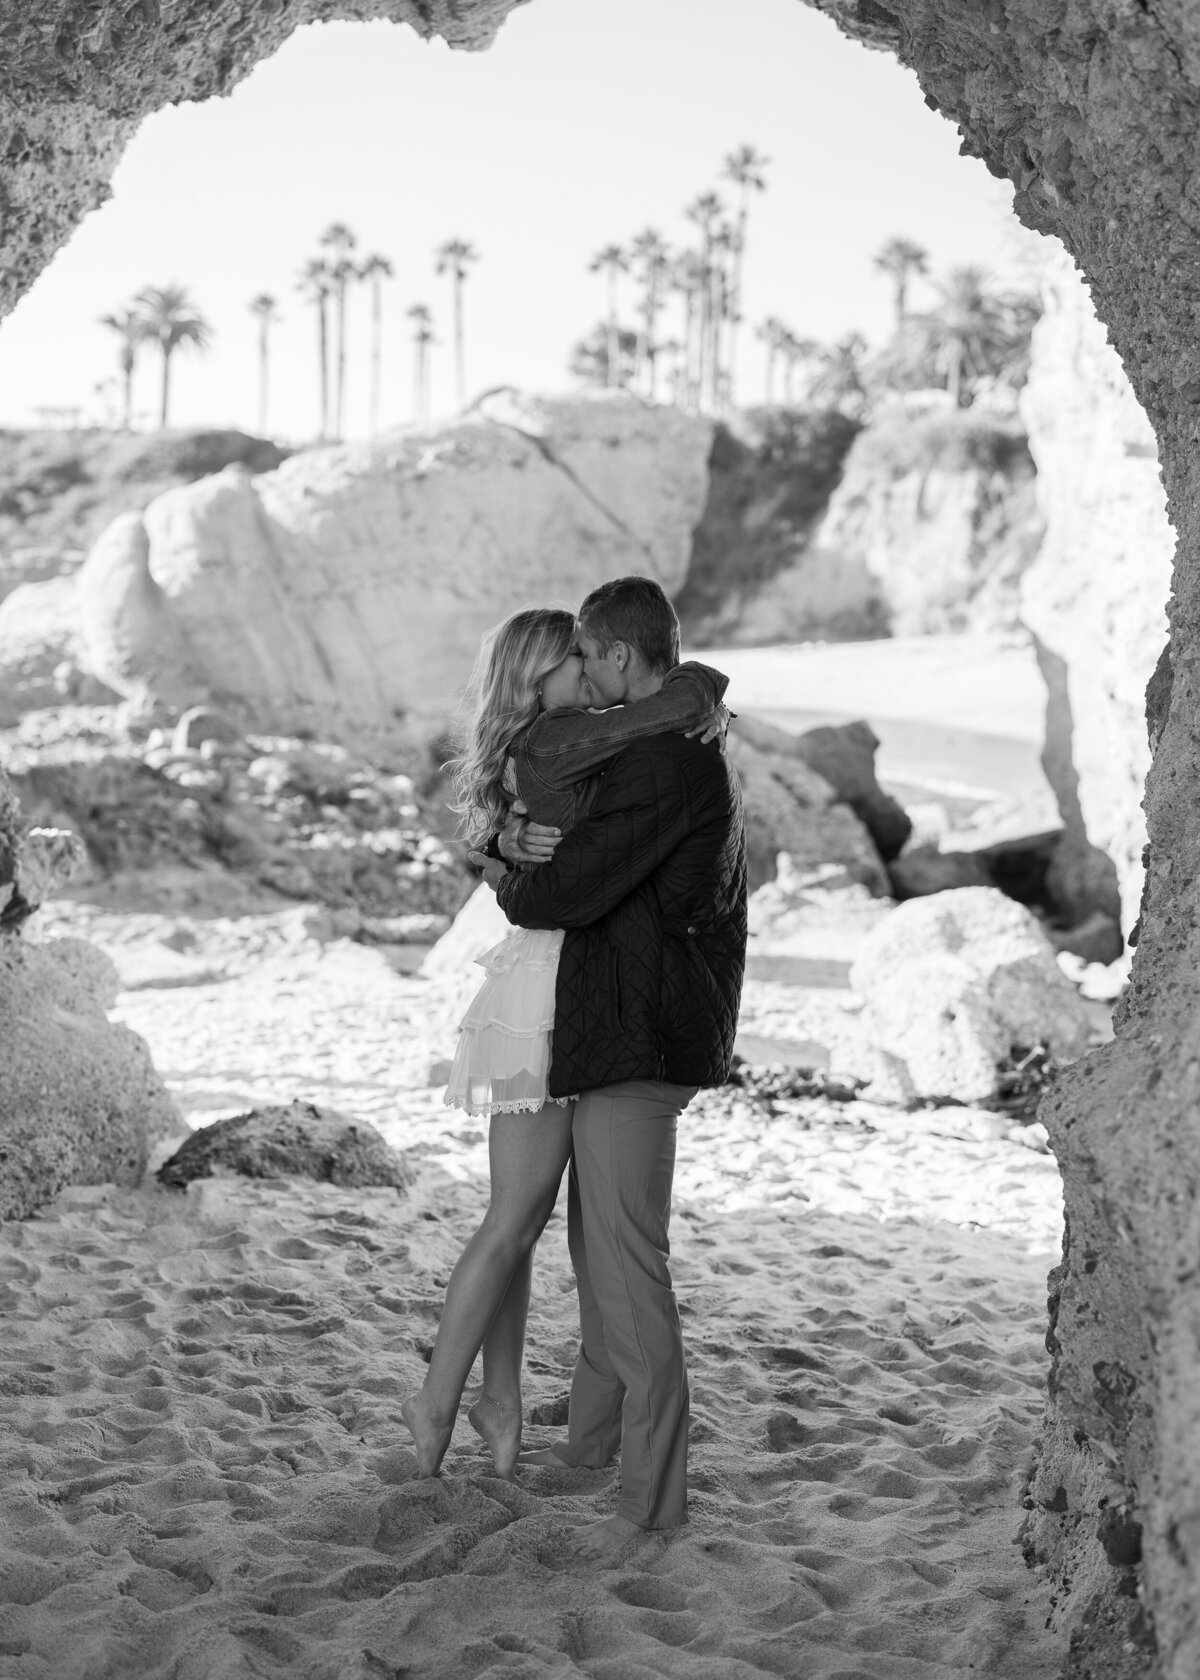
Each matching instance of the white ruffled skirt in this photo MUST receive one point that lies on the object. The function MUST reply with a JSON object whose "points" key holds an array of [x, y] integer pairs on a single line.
{"points": [[502, 1062]]}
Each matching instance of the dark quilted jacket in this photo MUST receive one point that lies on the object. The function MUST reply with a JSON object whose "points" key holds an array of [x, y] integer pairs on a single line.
{"points": [[651, 890]]}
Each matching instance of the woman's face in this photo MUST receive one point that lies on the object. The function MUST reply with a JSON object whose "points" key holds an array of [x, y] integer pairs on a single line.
{"points": [[566, 685]]}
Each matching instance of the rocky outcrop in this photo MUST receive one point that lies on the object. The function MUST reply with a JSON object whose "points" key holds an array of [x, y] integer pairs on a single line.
{"points": [[349, 588], [955, 986], [1095, 599], [80, 1102], [296, 1140], [936, 513], [755, 575]]}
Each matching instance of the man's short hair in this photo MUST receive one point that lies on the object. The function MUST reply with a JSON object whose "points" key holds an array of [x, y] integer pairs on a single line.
{"points": [[633, 610]]}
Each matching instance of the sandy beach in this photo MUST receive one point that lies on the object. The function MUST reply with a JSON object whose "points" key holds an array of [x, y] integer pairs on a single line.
{"points": [[204, 1472]]}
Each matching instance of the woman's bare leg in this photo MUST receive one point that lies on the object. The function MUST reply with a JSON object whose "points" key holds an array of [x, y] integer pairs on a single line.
{"points": [[527, 1154], [496, 1415]]}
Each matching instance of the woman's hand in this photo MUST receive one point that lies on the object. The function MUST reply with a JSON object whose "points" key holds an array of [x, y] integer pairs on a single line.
{"points": [[714, 726], [492, 870], [522, 841]]}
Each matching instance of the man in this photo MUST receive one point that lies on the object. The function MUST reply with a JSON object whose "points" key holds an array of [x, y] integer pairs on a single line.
{"points": [[651, 890]]}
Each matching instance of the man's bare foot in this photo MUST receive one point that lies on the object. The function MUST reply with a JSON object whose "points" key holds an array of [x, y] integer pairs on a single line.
{"points": [[500, 1426], [546, 1455], [431, 1435], [605, 1542]]}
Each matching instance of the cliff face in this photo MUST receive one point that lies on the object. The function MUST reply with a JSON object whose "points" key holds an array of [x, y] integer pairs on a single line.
{"points": [[351, 586], [937, 512], [1095, 598], [818, 529]]}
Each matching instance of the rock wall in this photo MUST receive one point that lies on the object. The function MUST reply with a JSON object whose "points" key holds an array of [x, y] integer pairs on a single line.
{"points": [[350, 587], [1095, 598], [937, 512]]}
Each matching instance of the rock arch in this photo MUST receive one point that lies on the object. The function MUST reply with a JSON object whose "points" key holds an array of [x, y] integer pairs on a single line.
{"points": [[1090, 108]]}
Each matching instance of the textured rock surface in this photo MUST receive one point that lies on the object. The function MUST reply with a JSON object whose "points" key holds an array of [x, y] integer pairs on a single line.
{"points": [[844, 756], [954, 984], [351, 586], [295, 1140], [936, 514], [1096, 597], [80, 1102], [790, 808]]}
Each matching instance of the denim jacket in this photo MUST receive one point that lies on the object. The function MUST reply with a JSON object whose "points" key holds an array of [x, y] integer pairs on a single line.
{"points": [[558, 761]]}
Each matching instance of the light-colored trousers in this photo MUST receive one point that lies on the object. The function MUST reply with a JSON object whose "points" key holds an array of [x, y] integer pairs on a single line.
{"points": [[630, 1389]]}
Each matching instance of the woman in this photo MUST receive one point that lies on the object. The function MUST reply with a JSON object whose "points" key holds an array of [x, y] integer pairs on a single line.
{"points": [[531, 738]]}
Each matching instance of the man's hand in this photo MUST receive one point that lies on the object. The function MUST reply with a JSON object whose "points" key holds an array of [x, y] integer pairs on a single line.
{"points": [[522, 841], [492, 870]]}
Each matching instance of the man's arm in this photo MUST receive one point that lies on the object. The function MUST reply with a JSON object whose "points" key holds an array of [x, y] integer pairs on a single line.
{"points": [[642, 814]]}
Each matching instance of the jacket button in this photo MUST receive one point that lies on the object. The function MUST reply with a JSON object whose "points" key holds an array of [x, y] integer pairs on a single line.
{"points": [[691, 930]]}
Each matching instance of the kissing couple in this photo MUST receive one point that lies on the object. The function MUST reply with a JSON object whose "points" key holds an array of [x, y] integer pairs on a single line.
{"points": [[596, 790]]}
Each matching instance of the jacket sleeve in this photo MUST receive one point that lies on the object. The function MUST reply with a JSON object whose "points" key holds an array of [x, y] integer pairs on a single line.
{"points": [[564, 747], [643, 812]]}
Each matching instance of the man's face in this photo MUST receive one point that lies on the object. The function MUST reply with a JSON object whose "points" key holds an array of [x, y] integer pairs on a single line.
{"points": [[604, 672]]}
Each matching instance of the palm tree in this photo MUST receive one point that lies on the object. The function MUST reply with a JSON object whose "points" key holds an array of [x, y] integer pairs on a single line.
{"points": [[264, 307], [455, 257], [129, 324], [687, 278], [652, 263], [744, 167], [705, 211], [172, 322], [421, 317], [796, 353], [339, 240], [315, 282], [375, 270], [967, 330], [839, 380], [774, 335], [900, 259], [611, 261], [720, 310]]}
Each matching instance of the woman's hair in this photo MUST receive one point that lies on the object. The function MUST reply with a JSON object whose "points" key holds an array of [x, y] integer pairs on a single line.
{"points": [[499, 701]]}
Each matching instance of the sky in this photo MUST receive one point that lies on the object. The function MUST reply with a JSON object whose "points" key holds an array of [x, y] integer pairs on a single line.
{"points": [[586, 121]]}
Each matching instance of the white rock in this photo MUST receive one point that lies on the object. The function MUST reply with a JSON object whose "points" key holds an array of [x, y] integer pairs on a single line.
{"points": [[352, 584], [952, 983]]}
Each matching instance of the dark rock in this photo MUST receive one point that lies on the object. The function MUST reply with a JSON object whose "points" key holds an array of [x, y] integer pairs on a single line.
{"points": [[199, 724], [925, 870], [299, 1140]]}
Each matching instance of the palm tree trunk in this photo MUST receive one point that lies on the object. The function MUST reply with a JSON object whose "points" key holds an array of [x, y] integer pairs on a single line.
{"points": [[127, 388], [735, 302], [166, 387], [770, 389], [613, 337], [459, 363], [340, 390], [323, 365], [376, 344], [263, 353]]}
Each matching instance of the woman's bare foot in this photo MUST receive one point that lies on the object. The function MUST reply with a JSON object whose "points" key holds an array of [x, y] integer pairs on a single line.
{"points": [[500, 1426], [545, 1455], [431, 1436], [605, 1542]]}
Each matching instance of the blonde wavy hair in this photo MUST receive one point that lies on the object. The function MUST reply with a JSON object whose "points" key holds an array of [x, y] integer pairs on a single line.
{"points": [[499, 701]]}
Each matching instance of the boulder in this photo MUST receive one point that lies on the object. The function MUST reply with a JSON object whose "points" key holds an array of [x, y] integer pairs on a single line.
{"points": [[844, 756], [80, 1101], [297, 1140], [925, 870], [200, 724], [350, 587], [956, 983], [40, 650], [790, 808], [47, 858]]}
